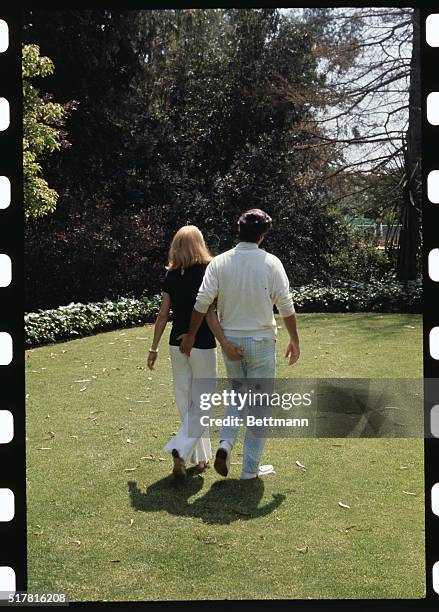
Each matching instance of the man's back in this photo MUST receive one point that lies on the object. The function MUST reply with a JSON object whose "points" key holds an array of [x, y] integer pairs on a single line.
{"points": [[247, 281]]}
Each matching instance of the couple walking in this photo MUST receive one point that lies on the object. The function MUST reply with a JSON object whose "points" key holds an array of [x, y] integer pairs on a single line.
{"points": [[244, 282]]}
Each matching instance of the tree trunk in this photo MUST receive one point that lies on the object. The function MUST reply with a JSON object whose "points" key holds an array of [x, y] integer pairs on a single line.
{"points": [[409, 241]]}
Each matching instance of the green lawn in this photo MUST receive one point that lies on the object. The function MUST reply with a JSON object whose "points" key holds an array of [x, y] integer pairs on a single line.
{"points": [[106, 523]]}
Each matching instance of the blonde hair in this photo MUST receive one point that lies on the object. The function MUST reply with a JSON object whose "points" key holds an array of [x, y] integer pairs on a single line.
{"points": [[187, 248]]}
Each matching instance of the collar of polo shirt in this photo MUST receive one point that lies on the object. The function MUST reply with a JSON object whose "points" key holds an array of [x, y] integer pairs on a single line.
{"points": [[247, 245]]}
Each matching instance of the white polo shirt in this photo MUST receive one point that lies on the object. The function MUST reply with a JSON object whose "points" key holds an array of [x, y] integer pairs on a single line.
{"points": [[247, 281]]}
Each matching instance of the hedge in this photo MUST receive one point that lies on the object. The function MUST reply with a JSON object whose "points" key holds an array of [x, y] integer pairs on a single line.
{"points": [[77, 320], [352, 296]]}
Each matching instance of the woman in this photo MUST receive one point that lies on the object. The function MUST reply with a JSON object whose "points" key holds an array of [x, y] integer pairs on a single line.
{"points": [[188, 258]]}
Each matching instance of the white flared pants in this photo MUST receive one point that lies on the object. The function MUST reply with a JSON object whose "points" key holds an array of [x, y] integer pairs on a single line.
{"points": [[200, 364]]}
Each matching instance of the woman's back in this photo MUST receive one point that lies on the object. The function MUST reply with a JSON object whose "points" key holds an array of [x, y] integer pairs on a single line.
{"points": [[183, 289]]}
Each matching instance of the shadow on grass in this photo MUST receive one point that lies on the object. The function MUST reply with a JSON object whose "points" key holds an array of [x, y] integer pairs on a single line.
{"points": [[225, 502]]}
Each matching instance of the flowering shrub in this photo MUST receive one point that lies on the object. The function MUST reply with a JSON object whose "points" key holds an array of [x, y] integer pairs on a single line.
{"points": [[352, 296], [77, 320]]}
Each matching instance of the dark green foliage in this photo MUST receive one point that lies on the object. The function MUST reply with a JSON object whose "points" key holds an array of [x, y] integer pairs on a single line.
{"points": [[353, 254], [182, 117]]}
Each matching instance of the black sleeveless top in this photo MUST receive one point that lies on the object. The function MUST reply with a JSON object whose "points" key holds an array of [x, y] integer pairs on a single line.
{"points": [[183, 289]]}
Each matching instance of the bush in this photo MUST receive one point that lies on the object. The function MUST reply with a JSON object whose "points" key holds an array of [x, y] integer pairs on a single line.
{"points": [[351, 296], [77, 320], [354, 255]]}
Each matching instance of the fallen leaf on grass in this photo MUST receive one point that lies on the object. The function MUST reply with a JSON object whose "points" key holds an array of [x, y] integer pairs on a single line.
{"points": [[211, 541], [300, 465], [342, 505]]}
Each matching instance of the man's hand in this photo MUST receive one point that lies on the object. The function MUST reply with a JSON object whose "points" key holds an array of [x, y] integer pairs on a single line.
{"points": [[231, 351], [187, 343], [152, 357], [293, 352]]}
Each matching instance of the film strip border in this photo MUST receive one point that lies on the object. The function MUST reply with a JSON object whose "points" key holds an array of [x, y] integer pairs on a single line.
{"points": [[430, 132], [12, 416], [13, 553]]}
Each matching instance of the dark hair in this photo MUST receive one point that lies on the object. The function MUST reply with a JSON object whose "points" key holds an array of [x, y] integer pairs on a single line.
{"points": [[252, 224]]}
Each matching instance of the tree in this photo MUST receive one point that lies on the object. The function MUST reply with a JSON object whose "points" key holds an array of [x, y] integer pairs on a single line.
{"points": [[369, 105], [182, 118], [42, 133]]}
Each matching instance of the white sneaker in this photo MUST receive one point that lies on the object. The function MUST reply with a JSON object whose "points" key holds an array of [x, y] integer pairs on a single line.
{"points": [[222, 458], [263, 471]]}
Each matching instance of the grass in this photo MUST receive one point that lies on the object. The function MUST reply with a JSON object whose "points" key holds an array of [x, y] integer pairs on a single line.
{"points": [[105, 524]]}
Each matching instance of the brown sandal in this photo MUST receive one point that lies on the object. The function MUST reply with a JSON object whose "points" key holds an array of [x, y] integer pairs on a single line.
{"points": [[179, 470]]}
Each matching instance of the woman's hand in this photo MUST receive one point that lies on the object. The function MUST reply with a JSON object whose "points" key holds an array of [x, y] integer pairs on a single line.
{"points": [[152, 357], [231, 351], [187, 343]]}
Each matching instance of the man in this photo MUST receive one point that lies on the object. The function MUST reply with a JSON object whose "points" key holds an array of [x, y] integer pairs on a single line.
{"points": [[246, 281]]}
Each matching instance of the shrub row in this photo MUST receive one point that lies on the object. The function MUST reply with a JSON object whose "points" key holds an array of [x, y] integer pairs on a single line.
{"points": [[351, 296], [77, 320]]}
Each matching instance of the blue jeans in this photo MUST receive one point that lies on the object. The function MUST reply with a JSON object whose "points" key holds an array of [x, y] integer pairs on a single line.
{"points": [[258, 361]]}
